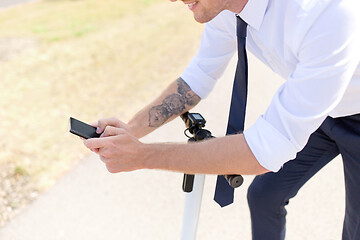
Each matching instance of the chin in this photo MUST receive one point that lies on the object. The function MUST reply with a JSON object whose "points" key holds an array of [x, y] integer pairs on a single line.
{"points": [[205, 16], [201, 19]]}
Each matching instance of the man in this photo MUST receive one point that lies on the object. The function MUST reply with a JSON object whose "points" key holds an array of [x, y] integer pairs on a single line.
{"points": [[314, 115]]}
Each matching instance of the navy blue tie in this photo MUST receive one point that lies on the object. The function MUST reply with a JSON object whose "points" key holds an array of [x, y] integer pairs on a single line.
{"points": [[224, 193]]}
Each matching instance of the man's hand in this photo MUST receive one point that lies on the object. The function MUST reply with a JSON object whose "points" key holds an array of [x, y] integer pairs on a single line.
{"points": [[113, 122], [117, 147]]}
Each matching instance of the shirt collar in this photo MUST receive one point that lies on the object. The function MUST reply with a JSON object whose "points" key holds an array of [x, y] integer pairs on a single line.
{"points": [[253, 13]]}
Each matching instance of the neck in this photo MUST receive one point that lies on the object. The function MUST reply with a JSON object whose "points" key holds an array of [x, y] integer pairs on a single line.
{"points": [[236, 6]]}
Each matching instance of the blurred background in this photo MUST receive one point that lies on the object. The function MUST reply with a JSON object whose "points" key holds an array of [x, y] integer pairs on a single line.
{"points": [[81, 58]]}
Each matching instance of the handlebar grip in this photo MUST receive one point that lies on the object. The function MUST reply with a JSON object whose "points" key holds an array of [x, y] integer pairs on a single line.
{"points": [[188, 182], [234, 180]]}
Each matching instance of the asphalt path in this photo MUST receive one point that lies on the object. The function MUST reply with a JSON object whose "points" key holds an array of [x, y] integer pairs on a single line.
{"points": [[90, 203]]}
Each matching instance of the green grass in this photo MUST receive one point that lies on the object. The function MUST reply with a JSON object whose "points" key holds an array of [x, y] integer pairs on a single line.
{"points": [[68, 18]]}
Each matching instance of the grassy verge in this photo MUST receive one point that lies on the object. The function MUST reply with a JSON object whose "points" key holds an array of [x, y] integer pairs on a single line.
{"points": [[86, 59], [57, 20]]}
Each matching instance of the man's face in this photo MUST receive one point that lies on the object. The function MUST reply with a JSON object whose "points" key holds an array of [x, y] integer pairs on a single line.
{"points": [[205, 10]]}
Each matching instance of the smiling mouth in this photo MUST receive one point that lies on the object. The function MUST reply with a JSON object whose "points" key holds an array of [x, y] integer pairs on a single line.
{"points": [[192, 5]]}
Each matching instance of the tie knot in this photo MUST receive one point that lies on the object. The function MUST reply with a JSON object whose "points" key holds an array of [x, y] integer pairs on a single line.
{"points": [[240, 27]]}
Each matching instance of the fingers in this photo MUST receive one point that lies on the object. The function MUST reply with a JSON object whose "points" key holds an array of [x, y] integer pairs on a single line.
{"points": [[102, 123], [112, 131], [114, 122], [105, 139], [95, 143], [95, 150], [118, 149], [94, 124]]}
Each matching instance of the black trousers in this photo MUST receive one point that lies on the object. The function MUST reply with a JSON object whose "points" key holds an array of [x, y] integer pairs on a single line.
{"points": [[270, 193]]}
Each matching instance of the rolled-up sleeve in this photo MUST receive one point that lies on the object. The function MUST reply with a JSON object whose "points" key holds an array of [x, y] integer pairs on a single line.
{"points": [[327, 58], [218, 44]]}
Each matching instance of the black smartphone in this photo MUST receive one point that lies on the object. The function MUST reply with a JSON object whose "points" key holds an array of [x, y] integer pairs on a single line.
{"points": [[82, 129]]}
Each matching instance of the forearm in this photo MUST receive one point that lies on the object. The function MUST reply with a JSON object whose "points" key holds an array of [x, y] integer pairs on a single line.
{"points": [[121, 151], [175, 100], [226, 155]]}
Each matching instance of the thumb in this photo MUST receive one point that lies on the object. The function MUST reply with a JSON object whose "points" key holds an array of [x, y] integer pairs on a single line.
{"points": [[112, 131], [103, 123]]}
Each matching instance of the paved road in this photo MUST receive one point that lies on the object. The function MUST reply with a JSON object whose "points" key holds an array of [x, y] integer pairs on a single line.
{"points": [[89, 203]]}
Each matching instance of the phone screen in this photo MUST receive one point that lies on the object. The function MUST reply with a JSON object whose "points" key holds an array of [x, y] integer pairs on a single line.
{"points": [[82, 129]]}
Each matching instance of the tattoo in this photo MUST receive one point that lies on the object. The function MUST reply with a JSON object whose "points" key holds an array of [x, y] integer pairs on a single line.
{"points": [[174, 104], [158, 115], [191, 98]]}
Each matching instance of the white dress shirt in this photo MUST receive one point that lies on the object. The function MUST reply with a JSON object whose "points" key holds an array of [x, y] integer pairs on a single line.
{"points": [[313, 44]]}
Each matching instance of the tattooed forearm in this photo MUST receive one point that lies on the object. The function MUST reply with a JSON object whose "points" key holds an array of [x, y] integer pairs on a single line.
{"points": [[173, 104], [191, 99]]}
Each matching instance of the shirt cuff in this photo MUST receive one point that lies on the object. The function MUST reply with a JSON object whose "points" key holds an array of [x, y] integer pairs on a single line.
{"points": [[268, 145], [199, 82]]}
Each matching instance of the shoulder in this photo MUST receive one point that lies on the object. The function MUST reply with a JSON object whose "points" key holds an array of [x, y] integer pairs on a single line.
{"points": [[309, 12], [305, 20]]}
